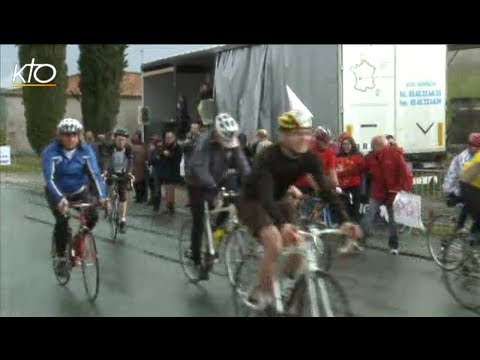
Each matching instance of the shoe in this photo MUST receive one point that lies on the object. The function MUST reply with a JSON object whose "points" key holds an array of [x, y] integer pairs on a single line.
{"points": [[346, 249], [61, 269], [123, 227], [288, 284], [200, 273], [216, 258], [259, 301], [358, 247], [394, 251]]}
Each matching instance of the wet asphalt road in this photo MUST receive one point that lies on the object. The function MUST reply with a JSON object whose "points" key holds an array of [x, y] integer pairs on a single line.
{"points": [[140, 275]]}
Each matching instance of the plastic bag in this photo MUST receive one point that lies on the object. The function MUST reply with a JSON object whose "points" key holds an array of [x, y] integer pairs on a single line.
{"points": [[407, 210]]}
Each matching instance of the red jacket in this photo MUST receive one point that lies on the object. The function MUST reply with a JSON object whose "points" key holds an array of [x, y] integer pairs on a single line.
{"points": [[389, 174], [328, 163], [349, 170]]}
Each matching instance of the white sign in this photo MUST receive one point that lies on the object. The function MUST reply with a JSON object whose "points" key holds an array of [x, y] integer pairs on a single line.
{"points": [[5, 155], [420, 97]]}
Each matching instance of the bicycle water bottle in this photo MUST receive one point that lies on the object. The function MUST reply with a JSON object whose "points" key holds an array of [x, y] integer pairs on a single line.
{"points": [[218, 236]]}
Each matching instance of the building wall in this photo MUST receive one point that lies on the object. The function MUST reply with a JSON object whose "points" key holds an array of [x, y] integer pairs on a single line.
{"points": [[15, 121]]}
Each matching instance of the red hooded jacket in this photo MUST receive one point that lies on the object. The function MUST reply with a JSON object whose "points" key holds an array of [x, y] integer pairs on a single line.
{"points": [[389, 174]]}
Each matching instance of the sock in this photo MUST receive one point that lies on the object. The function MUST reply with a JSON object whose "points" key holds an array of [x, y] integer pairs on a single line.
{"points": [[124, 219]]}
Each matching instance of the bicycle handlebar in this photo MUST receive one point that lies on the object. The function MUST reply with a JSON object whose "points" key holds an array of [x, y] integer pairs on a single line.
{"points": [[79, 206]]}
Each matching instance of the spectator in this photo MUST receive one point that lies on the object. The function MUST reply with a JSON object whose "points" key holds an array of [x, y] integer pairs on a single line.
{"points": [[349, 172], [206, 91], [89, 138], [190, 142], [261, 143], [321, 145], [139, 160], [166, 162], [337, 145], [389, 175], [104, 151], [183, 118], [393, 143], [152, 146]]}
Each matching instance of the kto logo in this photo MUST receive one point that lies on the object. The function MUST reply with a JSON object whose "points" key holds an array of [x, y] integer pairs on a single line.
{"points": [[33, 72]]}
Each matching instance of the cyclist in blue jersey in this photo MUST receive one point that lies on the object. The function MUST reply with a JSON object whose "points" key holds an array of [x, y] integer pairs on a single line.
{"points": [[71, 174]]}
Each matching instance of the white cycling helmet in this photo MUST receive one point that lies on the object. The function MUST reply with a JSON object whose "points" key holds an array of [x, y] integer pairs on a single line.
{"points": [[228, 129], [69, 126]]}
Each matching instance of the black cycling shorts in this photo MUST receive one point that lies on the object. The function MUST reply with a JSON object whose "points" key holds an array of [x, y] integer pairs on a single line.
{"points": [[122, 187]]}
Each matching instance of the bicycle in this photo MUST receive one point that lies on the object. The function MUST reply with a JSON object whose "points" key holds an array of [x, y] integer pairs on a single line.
{"points": [[113, 210], [81, 251], [312, 290], [226, 251]]}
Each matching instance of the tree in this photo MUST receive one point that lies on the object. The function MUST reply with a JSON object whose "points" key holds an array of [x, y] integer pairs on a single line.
{"points": [[44, 106], [101, 72]]}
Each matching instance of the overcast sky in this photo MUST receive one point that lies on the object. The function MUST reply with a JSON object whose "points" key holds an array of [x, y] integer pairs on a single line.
{"points": [[9, 57]]}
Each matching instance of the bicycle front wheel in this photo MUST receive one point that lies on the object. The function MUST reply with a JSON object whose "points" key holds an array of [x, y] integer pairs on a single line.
{"points": [[320, 295], [90, 266], [463, 282], [115, 220], [441, 235], [238, 246]]}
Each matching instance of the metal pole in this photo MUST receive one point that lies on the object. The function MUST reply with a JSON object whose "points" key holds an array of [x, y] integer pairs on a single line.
{"points": [[143, 96]]}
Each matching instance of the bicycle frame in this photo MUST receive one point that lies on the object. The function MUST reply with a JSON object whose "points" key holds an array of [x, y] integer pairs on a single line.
{"points": [[308, 267], [232, 220]]}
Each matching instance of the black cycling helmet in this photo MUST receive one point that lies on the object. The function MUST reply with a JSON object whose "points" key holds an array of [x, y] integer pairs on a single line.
{"points": [[120, 132]]}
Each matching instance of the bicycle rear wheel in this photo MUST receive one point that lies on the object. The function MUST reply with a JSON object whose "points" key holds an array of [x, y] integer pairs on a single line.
{"points": [[323, 297], [441, 235], [90, 266]]}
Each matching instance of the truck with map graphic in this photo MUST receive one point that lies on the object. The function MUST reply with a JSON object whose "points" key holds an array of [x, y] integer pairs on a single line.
{"points": [[366, 90]]}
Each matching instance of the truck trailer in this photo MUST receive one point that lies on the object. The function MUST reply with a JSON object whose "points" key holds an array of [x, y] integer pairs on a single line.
{"points": [[362, 89]]}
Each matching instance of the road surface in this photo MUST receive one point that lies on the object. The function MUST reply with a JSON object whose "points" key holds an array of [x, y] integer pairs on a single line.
{"points": [[140, 275]]}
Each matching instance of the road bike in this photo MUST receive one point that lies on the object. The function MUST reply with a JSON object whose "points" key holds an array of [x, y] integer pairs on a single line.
{"points": [[312, 293], [81, 251], [113, 209], [219, 256]]}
